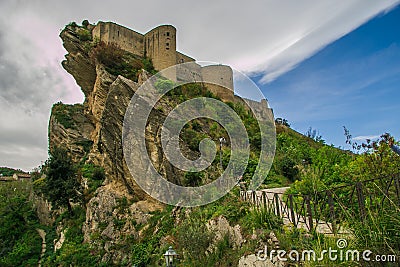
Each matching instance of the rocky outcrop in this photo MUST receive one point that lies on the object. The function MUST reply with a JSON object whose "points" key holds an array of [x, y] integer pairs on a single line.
{"points": [[266, 254], [112, 216], [43, 209], [78, 62], [97, 99], [92, 133], [77, 140], [220, 226]]}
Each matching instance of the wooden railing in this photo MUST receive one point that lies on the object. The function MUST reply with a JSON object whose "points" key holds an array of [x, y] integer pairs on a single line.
{"points": [[327, 210]]}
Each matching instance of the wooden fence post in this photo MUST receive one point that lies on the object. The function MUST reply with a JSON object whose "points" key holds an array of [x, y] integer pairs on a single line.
{"points": [[309, 213], [361, 200], [264, 199], [278, 213], [254, 197], [292, 210], [332, 211]]}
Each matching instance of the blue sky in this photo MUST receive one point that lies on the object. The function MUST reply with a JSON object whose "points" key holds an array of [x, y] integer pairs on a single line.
{"points": [[352, 82]]}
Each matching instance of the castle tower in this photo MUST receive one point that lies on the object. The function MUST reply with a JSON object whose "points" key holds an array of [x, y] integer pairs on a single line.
{"points": [[160, 46], [220, 81]]}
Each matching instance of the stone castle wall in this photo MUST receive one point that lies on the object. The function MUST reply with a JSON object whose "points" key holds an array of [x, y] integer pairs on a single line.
{"points": [[159, 44], [127, 39], [188, 72], [182, 58], [261, 109], [219, 81]]}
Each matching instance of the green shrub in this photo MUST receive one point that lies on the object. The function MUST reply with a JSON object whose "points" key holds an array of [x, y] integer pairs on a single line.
{"points": [[64, 114], [148, 65], [148, 251], [84, 34], [192, 138], [122, 204], [116, 61], [380, 232], [85, 23], [263, 218], [73, 251], [231, 208], [86, 144], [92, 171], [289, 168], [72, 24], [194, 238], [98, 174], [62, 185], [193, 178], [95, 176]]}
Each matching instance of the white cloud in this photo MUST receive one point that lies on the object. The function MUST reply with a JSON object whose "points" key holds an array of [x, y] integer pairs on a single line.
{"points": [[365, 137], [260, 36], [329, 24]]}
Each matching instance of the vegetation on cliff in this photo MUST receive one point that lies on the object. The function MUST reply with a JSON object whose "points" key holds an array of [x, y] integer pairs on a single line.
{"points": [[20, 242], [62, 186], [64, 114], [119, 62]]}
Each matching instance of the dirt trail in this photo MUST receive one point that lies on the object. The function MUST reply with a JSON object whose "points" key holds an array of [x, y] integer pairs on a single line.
{"points": [[42, 234]]}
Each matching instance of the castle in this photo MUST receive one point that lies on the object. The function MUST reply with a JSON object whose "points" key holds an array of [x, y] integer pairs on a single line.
{"points": [[159, 44]]}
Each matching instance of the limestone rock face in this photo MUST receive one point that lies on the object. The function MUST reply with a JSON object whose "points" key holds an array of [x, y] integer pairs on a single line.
{"points": [[73, 139], [97, 99], [112, 215], [78, 62], [220, 226], [92, 133], [43, 209], [107, 137]]}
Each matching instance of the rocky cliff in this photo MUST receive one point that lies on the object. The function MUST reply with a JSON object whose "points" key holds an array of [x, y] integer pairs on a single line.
{"points": [[122, 223], [92, 131]]}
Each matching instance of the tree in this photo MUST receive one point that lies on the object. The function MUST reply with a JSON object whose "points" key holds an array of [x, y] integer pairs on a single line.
{"points": [[314, 134], [374, 158], [85, 23], [20, 244], [62, 185], [282, 121]]}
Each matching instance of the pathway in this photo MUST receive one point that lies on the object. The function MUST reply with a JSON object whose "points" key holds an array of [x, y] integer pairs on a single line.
{"points": [[284, 211], [42, 234]]}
